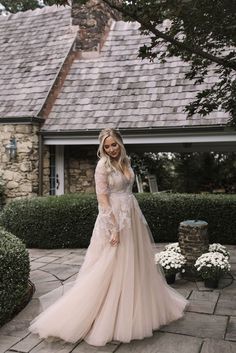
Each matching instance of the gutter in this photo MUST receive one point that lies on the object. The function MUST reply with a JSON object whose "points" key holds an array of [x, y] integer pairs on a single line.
{"points": [[137, 131], [21, 120]]}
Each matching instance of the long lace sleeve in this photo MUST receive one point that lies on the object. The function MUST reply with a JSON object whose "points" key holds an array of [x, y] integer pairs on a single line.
{"points": [[106, 217]]}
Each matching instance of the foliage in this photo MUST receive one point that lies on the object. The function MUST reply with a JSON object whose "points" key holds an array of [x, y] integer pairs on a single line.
{"points": [[194, 30], [14, 273], [164, 212], [67, 221], [205, 172], [200, 34], [171, 261], [52, 222], [159, 164], [24, 5], [191, 172], [212, 265], [19, 5]]}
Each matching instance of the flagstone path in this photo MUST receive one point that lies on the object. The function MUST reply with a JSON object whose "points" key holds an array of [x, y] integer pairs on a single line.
{"points": [[209, 325]]}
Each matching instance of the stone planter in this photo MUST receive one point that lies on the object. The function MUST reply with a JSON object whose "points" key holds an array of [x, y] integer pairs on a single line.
{"points": [[193, 242]]}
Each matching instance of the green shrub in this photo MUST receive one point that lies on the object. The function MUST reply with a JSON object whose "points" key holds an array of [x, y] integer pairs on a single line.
{"points": [[52, 222], [14, 274], [164, 212], [68, 220]]}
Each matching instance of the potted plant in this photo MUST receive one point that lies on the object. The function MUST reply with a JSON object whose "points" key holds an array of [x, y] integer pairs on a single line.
{"points": [[211, 266], [217, 247], [171, 262], [173, 247]]}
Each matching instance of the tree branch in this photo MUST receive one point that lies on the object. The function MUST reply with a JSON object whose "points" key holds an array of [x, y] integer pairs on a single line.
{"points": [[182, 46]]}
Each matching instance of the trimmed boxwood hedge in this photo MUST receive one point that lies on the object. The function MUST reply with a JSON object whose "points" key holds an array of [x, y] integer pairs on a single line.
{"points": [[68, 220], [53, 221], [164, 212], [14, 274]]}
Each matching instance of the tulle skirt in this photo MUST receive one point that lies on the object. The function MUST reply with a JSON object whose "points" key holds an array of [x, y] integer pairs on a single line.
{"points": [[120, 293]]}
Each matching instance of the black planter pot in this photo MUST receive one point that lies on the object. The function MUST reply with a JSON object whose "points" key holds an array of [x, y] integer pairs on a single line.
{"points": [[170, 279], [211, 282]]}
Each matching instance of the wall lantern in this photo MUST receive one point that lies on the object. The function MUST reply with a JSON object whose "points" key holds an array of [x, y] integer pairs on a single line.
{"points": [[11, 149]]}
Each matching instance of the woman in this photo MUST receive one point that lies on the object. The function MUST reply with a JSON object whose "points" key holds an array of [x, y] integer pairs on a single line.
{"points": [[119, 294]]}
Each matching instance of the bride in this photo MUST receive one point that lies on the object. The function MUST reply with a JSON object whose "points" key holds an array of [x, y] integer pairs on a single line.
{"points": [[120, 293]]}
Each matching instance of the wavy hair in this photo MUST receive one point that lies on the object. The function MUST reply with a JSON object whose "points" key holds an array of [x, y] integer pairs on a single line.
{"points": [[123, 158]]}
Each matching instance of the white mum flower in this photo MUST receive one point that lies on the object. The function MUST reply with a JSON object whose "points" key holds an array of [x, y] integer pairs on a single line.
{"points": [[212, 264], [173, 247], [170, 261], [217, 247]]}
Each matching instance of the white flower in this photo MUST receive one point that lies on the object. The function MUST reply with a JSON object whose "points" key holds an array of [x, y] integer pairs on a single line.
{"points": [[219, 248], [173, 247], [170, 261], [212, 264]]}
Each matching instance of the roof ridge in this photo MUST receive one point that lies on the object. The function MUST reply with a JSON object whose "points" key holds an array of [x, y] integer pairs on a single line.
{"points": [[37, 11]]}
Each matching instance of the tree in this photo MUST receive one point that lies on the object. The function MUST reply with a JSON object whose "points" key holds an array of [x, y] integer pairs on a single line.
{"points": [[20, 5], [24, 5], [200, 32], [191, 172], [195, 172], [159, 164]]}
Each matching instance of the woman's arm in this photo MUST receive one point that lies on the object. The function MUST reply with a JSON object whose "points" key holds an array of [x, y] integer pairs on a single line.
{"points": [[104, 207]]}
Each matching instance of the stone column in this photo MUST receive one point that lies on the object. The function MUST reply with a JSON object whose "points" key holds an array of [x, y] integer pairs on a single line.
{"points": [[193, 242], [19, 176]]}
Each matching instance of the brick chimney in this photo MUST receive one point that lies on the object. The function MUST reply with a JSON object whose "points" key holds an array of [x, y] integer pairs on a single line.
{"points": [[94, 19]]}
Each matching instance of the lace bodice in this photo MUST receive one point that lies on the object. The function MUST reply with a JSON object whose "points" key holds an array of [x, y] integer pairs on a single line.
{"points": [[115, 198], [113, 181]]}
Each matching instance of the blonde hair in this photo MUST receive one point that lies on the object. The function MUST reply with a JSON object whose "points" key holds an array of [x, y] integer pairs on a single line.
{"points": [[123, 158]]}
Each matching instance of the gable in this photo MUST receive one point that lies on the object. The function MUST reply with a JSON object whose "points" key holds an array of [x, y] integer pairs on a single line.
{"points": [[34, 45]]}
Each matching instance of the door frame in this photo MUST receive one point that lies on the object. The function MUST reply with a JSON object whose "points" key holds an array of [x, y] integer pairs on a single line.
{"points": [[59, 170]]}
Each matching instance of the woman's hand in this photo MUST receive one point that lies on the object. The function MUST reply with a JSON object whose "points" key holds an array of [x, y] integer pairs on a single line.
{"points": [[114, 239]]}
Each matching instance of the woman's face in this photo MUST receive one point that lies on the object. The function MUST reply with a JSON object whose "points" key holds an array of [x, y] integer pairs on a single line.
{"points": [[111, 147]]}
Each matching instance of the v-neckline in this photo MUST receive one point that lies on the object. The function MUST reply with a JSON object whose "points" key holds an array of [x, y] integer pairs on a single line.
{"points": [[126, 177]]}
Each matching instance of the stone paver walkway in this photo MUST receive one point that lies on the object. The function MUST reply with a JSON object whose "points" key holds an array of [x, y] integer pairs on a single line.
{"points": [[209, 325]]}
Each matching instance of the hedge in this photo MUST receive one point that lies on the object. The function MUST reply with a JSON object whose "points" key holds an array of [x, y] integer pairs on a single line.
{"points": [[164, 212], [53, 221], [14, 274], [68, 220]]}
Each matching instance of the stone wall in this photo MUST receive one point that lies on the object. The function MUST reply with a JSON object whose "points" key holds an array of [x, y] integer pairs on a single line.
{"points": [[46, 170], [20, 176], [79, 169]]}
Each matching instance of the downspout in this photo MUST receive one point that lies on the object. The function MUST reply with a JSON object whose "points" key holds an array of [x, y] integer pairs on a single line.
{"points": [[40, 192]]}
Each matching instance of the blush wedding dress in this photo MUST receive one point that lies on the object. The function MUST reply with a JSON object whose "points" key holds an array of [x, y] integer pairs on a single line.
{"points": [[120, 293]]}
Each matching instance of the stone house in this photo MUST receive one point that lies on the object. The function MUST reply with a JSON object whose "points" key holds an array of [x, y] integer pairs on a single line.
{"points": [[66, 74]]}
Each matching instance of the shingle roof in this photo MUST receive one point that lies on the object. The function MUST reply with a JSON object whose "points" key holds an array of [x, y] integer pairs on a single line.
{"points": [[118, 89], [34, 44]]}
